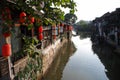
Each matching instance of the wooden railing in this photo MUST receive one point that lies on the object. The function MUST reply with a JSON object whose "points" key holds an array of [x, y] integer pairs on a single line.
{"points": [[47, 40], [47, 37]]}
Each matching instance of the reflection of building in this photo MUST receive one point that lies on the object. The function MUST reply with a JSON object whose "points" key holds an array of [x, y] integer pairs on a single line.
{"points": [[110, 60], [56, 69]]}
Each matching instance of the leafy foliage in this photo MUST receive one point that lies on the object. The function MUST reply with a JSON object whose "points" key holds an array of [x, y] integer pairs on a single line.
{"points": [[83, 25], [70, 18], [29, 46], [43, 8], [30, 71]]}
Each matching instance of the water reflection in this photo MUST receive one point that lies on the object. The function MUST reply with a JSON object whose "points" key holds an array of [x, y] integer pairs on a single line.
{"points": [[84, 64], [110, 60], [87, 62], [56, 70]]}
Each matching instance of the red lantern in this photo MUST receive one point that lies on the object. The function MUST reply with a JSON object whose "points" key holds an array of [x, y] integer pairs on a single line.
{"points": [[22, 14], [40, 37], [22, 17], [6, 50], [6, 35], [40, 29], [7, 10], [32, 20], [67, 27], [6, 14]]}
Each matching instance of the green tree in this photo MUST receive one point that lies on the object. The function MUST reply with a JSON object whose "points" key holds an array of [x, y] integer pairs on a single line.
{"points": [[48, 8], [70, 18], [83, 23]]}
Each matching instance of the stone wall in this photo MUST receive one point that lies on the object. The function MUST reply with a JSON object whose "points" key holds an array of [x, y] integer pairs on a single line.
{"points": [[49, 54]]}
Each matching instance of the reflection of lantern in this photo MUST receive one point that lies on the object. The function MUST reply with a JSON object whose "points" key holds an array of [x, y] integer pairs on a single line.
{"points": [[6, 50], [40, 36], [40, 29]]}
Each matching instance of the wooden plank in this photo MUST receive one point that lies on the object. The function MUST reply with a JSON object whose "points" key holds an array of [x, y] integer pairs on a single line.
{"points": [[4, 67]]}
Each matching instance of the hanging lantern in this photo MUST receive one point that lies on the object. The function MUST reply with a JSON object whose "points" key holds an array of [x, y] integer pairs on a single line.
{"points": [[67, 28], [22, 17], [22, 14], [6, 35], [40, 29], [7, 10], [32, 19], [6, 14], [6, 50], [40, 36]]}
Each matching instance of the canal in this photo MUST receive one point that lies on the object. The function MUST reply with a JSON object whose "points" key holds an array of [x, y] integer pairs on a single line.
{"points": [[79, 59]]}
